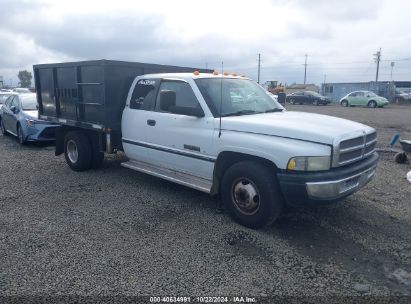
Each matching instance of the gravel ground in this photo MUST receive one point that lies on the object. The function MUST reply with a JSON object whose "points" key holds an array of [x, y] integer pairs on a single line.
{"points": [[114, 231]]}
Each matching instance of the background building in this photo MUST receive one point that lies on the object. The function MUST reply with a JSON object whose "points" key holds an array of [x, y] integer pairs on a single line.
{"points": [[301, 87]]}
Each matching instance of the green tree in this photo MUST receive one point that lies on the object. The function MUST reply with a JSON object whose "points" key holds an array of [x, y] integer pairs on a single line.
{"points": [[25, 78]]}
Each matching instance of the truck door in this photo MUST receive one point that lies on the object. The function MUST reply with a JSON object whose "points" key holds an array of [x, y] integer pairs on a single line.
{"points": [[134, 120], [180, 142]]}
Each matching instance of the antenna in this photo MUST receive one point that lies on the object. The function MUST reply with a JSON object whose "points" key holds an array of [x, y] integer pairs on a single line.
{"points": [[221, 97]]}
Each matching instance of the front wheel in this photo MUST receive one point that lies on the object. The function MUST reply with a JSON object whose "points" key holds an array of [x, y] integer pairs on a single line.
{"points": [[250, 192], [292, 101], [20, 135], [372, 104]]}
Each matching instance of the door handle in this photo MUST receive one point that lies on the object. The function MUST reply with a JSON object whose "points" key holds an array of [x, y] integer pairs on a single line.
{"points": [[151, 122]]}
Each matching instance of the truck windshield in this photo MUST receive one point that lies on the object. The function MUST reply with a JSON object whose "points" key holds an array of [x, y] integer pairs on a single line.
{"points": [[239, 97]]}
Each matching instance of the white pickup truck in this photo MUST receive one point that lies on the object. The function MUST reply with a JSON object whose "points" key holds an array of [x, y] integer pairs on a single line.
{"points": [[223, 134]]}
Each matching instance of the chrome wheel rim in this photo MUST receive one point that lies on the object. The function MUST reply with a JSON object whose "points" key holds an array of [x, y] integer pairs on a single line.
{"points": [[245, 196], [72, 151]]}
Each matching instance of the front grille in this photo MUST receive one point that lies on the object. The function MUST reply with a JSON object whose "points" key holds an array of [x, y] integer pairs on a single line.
{"points": [[48, 133], [353, 149]]}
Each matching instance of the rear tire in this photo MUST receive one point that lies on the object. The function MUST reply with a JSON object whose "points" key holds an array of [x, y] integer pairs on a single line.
{"points": [[292, 101], [251, 193], [77, 151], [372, 104]]}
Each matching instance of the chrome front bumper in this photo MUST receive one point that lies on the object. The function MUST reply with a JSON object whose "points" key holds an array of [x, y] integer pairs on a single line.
{"points": [[338, 188]]}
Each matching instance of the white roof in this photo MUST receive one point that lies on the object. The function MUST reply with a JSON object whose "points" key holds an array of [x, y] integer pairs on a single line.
{"points": [[190, 76]]}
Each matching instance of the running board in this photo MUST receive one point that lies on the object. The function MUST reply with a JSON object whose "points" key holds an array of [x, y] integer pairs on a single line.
{"points": [[181, 178]]}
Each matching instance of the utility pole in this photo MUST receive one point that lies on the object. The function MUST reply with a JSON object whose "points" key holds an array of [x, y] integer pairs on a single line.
{"points": [[377, 58], [392, 67], [259, 68], [305, 69], [206, 65]]}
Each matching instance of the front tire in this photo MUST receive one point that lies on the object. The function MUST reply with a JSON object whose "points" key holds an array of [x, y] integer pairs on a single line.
{"points": [[344, 103], [292, 101], [372, 104], [77, 151], [250, 192], [20, 135]]}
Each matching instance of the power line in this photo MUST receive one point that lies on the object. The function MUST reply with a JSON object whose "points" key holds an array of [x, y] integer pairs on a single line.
{"points": [[259, 67]]}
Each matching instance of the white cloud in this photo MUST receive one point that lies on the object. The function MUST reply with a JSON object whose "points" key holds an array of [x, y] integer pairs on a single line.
{"points": [[185, 32]]}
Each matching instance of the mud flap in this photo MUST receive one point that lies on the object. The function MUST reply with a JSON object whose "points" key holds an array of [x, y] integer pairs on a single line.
{"points": [[60, 134]]}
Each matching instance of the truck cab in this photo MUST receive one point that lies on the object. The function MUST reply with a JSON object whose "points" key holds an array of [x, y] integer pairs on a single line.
{"points": [[224, 134]]}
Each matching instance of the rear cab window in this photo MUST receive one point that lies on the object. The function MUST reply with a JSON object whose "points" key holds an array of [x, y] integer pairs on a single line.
{"points": [[144, 93]]}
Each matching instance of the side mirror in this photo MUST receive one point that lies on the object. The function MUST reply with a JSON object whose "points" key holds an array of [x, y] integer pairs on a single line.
{"points": [[13, 109], [167, 100], [189, 111]]}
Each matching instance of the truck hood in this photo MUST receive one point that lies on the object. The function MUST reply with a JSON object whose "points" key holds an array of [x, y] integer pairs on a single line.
{"points": [[297, 125]]}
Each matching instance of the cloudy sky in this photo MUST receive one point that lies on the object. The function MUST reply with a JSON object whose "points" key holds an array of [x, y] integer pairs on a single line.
{"points": [[339, 37]]}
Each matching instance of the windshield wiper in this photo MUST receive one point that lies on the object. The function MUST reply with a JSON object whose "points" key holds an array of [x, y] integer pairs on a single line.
{"points": [[273, 110], [238, 113]]}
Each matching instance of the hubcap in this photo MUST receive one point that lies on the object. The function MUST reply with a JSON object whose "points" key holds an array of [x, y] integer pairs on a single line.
{"points": [[72, 151], [245, 196]]}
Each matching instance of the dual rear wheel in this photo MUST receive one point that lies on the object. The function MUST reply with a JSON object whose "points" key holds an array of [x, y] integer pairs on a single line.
{"points": [[80, 152]]}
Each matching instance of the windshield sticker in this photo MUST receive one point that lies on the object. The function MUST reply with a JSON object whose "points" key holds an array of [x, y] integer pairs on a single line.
{"points": [[146, 82]]}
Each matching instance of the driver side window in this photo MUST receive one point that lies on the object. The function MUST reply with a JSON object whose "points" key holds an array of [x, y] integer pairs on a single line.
{"points": [[184, 95]]}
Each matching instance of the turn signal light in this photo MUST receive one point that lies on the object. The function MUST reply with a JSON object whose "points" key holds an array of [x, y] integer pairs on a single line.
{"points": [[196, 73], [225, 74], [234, 74], [215, 73]]}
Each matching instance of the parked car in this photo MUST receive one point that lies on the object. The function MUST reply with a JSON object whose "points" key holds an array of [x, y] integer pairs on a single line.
{"points": [[3, 97], [18, 116], [363, 98], [403, 96], [21, 90], [307, 97], [273, 96]]}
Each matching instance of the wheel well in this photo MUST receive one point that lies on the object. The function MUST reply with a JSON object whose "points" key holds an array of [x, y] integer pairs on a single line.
{"points": [[226, 159], [344, 100], [372, 100], [94, 136]]}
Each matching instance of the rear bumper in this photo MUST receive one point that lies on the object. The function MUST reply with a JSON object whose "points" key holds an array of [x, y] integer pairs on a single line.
{"points": [[328, 186]]}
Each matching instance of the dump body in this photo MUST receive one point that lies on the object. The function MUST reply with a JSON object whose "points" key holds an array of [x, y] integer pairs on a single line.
{"points": [[90, 94]]}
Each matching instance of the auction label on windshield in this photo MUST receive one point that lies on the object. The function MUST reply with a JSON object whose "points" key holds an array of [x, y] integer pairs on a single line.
{"points": [[205, 299]]}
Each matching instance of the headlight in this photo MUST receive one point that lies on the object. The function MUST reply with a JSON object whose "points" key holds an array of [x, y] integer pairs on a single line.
{"points": [[309, 163], [30, 122]]}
